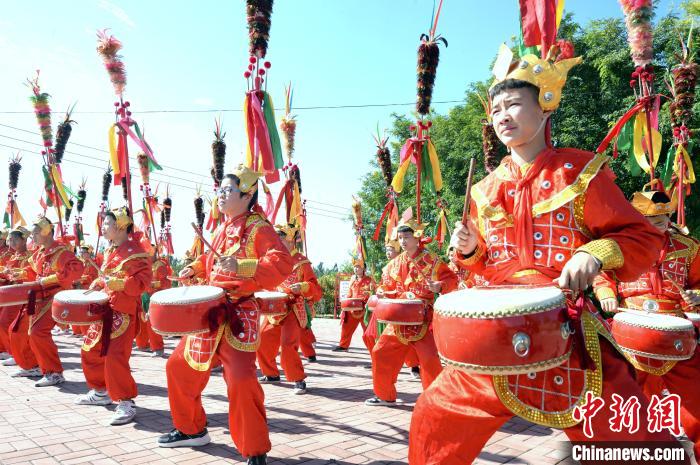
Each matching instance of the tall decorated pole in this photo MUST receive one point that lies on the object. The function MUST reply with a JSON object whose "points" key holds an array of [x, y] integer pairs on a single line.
{"points": [[166, 238], [150, 203], [637, 131], [12, 216], [218, 152], [56, 194], [390, 214], [264, 151], [78, 220], [104, 203], [419, 148], [125, 127], [197, 248]]}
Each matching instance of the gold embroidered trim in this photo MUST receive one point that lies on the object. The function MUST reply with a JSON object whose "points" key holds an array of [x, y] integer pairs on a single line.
{"points": [[510, 369], [605, 293], [49, 280], [56, 255], [247, 267], [630, 352], [690, 251], [115, 334], [579, 217], [250, 244], [573, 190], [605, 250], [657, 371], [406, 340], [475, 257], [593, 381], [202, 366], [242, 346], [556, 302]]}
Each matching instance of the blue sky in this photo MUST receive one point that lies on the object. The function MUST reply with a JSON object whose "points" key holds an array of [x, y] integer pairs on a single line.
{"points": [[184, 55]]}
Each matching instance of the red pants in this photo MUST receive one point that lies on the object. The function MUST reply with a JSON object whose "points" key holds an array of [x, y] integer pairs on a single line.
{"points": [[147, 337], [348, 325], [285, 334], [7, 316], [306, 341], [682, 379], [455, 417], [246, 416], [412, 358], [36, 346], [112, 372], [388, 357]]}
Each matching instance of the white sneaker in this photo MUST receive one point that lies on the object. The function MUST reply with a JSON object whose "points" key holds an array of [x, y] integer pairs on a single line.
{"points": [[93, 397], [4, 355], [56, 331], [158, 353], [50, 379], [124, 413], [30, 373], [8, 362]]}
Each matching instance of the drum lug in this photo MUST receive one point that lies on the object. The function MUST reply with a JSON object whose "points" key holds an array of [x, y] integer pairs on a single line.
{"points": [[521, 344], [566, 330], [678, 344]]}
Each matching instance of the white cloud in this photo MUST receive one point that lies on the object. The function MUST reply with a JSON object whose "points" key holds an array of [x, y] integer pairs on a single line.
{"points": [[117, 12]]}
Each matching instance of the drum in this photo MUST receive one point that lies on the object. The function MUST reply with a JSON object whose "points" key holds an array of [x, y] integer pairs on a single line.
{"points": [[352, 304], [694, 318], [400, 311], [503, 330], [372, 302], [183, 310], [78, 307], [17, 294], [654, 335], [272, 303]]}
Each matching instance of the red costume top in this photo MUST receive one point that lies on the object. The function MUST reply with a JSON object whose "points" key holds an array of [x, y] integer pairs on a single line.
{"points": [[532, 220], [128, 269], [90, 273], [360, 289], [5, 253], [263, 263], [17, 269], [302, 273], [407, 278], [658, 290], [161, 270]]}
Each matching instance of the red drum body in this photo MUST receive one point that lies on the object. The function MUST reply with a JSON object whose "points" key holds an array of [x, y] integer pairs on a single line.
{"points": [[352, 304], [183, 310], [694, 318], [272, 303], [76, 307], [653, 335], [17, 294], [503, 330], [372, 302], [400, 311]]}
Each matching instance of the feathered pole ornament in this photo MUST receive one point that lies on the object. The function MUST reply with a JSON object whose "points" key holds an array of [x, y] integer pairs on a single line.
{"points": [[360, 252], [150, 203], [78, 220], [390, 214], [197, 248], [489, 140], [53, 181], [106, 184], [166, 238], [637, 131], [63, 132], [218, 152], [12, 216], [288, 124], [125, 127], [264, 151], [679, 173], [428, 58]]}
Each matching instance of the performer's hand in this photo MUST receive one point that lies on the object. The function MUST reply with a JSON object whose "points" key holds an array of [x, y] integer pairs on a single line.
{"points": [[464, 238], [691, 298], [609, 305], [229, 264], [186, 273], [435, 286], [295, 288], [579, 272]]}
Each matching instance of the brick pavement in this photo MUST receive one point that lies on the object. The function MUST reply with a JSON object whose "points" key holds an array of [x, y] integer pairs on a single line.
{"points": [[329, 425]]}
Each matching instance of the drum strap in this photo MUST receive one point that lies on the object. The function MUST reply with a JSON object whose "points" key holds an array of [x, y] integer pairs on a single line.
{"points": [[575, 311], [107, 316], [226, 312], [31, 303]]}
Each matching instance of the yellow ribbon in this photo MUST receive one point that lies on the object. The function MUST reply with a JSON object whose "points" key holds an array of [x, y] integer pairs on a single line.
{"points": [[113, 156], [641, 139], [397, 182], [58, 182], [682, 152], [248, 154], [437, 176]]}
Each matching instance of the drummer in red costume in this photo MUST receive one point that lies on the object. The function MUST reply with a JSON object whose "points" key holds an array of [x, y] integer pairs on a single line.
{"points": [[56, 268], [126, 274], [90, 272], [5, 253], [361, 287], [148, 338], [415, 274], [301, 286], [252, 259], [671, 286], [392, 249], [544, 214], [15, 272]]}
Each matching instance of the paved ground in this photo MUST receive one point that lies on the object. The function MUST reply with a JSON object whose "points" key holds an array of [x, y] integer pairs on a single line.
{"points": [[329, 425]]}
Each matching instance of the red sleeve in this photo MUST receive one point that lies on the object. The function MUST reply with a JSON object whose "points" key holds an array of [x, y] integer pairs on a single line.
{"points": [[313, 291], [68, 269], [694, 273], [138, 277], [274, 261], [448, 279], [605, 286], [474, 263], [609, 216]]}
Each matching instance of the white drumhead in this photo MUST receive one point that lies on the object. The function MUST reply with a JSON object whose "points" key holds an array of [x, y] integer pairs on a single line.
{"points": [[402, 301], [692, 316], [653, 320], [79, 296], [270, 295], [187, 295], [499, 301]]}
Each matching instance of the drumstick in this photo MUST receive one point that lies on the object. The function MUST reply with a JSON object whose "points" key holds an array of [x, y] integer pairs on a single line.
{"points": [[468, 194], [99, 273], [204, 241]]}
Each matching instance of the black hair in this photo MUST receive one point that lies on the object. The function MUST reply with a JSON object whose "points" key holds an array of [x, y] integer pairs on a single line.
{"points": [[660, 197], [404, 229], [17, 234], [510, 84], [130, 228], [253, 199]]}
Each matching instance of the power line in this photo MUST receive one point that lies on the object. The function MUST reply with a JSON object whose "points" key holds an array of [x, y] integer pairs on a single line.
{"points": [[328, 205], [329, 211]]}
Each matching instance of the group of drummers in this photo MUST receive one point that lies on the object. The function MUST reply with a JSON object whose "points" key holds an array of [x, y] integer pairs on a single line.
{"points": [[508, 327]]}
